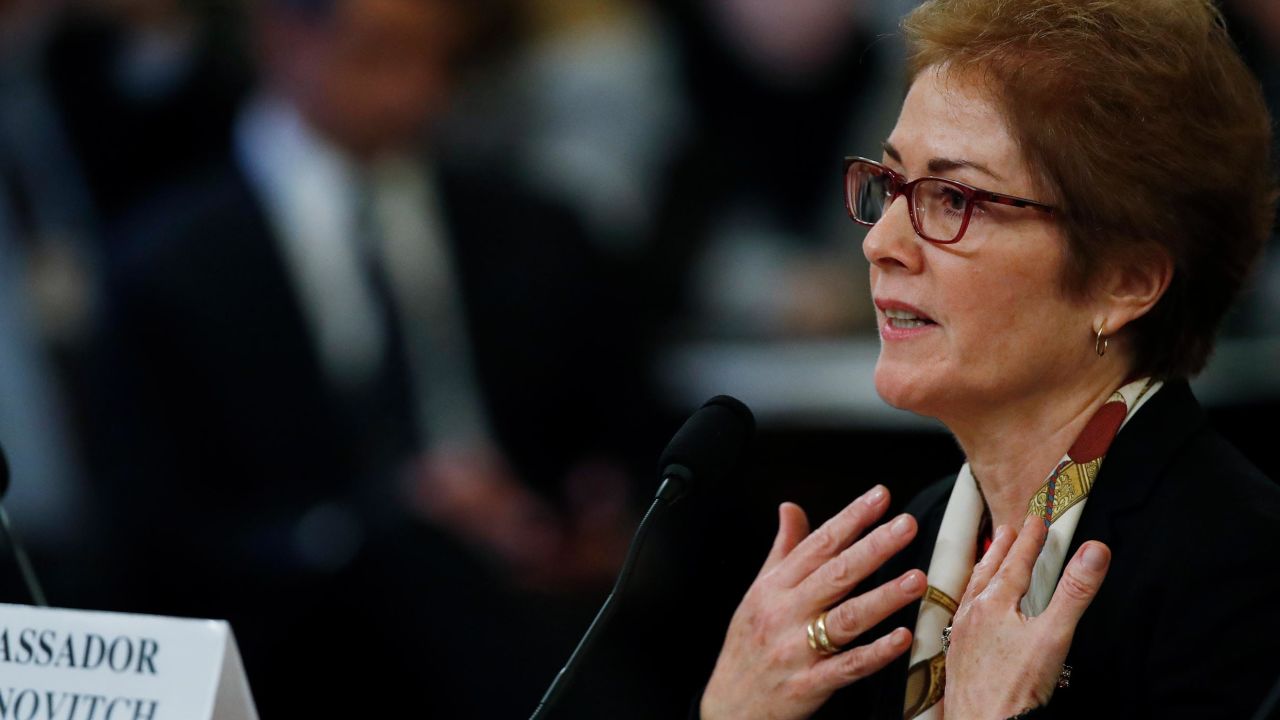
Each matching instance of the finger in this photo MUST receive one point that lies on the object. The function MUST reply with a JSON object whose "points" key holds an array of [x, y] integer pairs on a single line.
{"points": [[835, 535], [1014, 576], [857, 663], [853, 617], [1079, 584], [793, 526], [991, 560], [840, 574]]}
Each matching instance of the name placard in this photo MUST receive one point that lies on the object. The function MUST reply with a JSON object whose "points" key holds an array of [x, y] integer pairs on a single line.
{"points": [[80, 665]]}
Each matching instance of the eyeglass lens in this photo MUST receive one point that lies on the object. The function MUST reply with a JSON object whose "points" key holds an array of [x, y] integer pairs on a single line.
{"points": [[939, 207], [869, 191]]}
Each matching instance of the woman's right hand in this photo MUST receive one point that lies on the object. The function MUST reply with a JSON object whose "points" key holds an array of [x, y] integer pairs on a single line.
{"points": [[766, 668]]}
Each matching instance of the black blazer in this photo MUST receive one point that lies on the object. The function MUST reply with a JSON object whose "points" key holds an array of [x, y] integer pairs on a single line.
{"points": [[1183, 626]]}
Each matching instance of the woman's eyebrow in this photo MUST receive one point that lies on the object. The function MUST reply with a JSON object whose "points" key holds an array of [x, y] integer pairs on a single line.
{"points": [[940, 165], [891, 151]]}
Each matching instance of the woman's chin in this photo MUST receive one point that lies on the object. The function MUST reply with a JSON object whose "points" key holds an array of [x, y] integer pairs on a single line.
{"points": [[902, 389]]}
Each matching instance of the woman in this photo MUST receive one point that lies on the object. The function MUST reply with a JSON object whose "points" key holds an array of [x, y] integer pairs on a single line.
{"points": [[1072, 196]]}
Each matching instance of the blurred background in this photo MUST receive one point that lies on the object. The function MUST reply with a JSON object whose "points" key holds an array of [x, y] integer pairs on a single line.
{"points": [[362, 323]]}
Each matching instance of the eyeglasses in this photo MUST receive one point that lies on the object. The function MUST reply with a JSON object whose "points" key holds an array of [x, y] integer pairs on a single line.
{"points": [[940, 209]]}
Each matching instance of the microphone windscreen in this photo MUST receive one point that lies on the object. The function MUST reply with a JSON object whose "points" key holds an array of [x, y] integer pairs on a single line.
{"points": [[710, 443]]}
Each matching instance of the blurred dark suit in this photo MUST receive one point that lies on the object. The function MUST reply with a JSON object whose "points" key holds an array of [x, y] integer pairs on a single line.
{"points": [[230, 452]]}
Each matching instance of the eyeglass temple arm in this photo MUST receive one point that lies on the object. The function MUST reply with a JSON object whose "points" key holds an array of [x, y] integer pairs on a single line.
{"points": [[1012, 201]]}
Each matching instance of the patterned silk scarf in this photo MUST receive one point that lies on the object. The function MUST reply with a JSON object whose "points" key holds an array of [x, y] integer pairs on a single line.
{"points": [[1059, 501]]}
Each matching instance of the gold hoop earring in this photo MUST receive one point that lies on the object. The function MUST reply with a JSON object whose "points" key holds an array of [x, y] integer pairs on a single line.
{"points": [[1101, 342]]}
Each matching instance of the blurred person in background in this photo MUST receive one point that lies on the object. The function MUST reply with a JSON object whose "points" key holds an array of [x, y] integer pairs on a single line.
{"points": [[146, 90], [774, 90], [696, 138], [106, 101], [344, 365], [47, 493], [46, 226], [101, 103]]}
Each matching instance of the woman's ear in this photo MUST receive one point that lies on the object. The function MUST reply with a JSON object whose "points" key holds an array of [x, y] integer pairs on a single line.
{"points": [[1129, 288]]}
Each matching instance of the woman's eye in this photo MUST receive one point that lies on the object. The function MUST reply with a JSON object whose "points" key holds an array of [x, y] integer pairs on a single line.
{"points": [[952, 199]]}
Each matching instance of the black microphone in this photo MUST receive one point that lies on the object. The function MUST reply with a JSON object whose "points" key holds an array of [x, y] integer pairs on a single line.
{"points": [[706, 448], [19, 555]]}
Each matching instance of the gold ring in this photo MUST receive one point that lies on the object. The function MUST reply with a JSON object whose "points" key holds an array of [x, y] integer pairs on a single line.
{"points": [[819, 641]]}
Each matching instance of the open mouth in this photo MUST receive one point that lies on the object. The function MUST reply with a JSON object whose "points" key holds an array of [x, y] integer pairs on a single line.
{"points": [[906, 320]]}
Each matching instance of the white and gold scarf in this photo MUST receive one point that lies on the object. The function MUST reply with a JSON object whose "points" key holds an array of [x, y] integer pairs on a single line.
{"points": [[1060, 501]]}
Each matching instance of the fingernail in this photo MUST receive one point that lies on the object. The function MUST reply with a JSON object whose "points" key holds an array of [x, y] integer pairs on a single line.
{"points": [[900, 636], [1000, 532], [901, 526], [876, 494], [1094, 559], [910, 583]]}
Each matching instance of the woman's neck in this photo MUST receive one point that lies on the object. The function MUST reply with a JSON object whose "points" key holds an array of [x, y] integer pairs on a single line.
{"points": [[1012, 448]]}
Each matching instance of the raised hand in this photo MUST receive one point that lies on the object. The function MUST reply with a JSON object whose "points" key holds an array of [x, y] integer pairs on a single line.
{"points": [[1001, 662], [767, 668]]}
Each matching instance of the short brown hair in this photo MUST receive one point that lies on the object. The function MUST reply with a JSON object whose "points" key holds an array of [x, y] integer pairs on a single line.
{"points": [[1142, 124]]}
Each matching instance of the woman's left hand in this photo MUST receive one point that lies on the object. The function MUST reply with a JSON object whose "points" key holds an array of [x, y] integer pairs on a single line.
{"points": [[1001, 662]]}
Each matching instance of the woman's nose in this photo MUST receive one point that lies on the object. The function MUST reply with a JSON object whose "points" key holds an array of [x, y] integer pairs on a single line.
{"points": [[892, 243]]}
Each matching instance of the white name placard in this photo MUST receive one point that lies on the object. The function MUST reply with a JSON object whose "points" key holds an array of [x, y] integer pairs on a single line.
{"points": [[80, 665]]}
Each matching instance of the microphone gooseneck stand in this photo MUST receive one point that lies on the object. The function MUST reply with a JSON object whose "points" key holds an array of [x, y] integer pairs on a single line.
{"points": [[565, 676], [24, 562], [706, 447], [19, 554]]}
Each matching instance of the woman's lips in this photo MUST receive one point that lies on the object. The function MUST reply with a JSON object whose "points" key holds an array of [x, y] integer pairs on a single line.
{"points": [[891, 331], [902, 321]]}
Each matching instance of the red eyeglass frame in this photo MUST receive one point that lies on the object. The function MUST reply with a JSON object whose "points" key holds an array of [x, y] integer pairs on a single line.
{"points": [[902, 187]]}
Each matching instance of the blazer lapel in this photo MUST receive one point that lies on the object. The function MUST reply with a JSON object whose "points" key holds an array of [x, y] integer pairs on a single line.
{"points": [[1135, 461]]}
